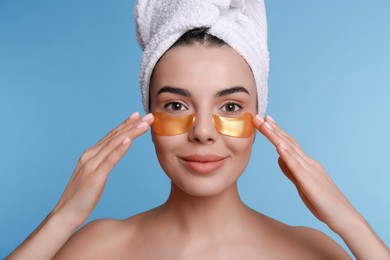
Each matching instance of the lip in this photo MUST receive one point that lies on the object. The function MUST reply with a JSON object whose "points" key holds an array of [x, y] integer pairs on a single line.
{"points": [[203, 163]]}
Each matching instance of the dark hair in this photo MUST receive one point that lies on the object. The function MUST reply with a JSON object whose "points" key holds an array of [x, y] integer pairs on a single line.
{"points": [[191, 37], [198, 35]]}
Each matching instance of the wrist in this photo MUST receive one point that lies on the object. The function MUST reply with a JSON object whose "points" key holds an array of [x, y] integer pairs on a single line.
{"points": [[47, 239], [362, 239], [348, 221], [352, 225], [64, 220]]}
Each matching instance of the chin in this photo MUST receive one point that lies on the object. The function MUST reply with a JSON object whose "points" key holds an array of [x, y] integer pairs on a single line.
{"points": [[203, 190]]}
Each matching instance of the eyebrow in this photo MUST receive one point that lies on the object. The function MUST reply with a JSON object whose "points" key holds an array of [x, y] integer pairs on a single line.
{"points": [[231, 90], [186, 93], [177, 91]]}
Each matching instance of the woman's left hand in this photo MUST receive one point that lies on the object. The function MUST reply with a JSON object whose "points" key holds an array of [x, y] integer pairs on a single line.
{"points": [[321, 195], [316, 188]]}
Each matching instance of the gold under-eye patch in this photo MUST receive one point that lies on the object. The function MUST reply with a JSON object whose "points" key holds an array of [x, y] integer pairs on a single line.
{"points": [[169, 125], [231, 126], [234, 126]]}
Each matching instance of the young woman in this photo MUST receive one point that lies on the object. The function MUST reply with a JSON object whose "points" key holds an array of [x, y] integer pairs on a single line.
{"points": [[197, 84]]}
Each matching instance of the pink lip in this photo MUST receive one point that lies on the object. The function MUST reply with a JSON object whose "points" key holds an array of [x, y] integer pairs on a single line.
{"points": [[203, 164]]}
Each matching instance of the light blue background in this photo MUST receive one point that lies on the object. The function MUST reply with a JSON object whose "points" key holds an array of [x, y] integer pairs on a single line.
{"points": [[69, 74]]}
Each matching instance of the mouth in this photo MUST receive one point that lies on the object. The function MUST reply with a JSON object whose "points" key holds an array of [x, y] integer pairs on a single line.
{"points": [[203, 163]]}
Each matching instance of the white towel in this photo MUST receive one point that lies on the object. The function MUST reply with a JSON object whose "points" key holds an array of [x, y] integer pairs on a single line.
{"points": [[242, 24]]}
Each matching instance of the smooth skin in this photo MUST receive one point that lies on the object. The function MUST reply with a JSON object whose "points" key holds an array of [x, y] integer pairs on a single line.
{"points": [[321, 195], [83, 190], [203, 217]]}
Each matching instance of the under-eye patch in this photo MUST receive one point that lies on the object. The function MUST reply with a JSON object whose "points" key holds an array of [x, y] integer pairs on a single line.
{"points": [[231, 126], [234, 126], [170, 125]]}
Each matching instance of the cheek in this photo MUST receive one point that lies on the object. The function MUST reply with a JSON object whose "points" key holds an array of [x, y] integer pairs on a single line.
{"points": [[240, 144], [163, 144], [241, 149], [166, 148]]}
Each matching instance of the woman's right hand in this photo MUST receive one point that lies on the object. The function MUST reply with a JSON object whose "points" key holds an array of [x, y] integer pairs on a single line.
{"points": [[93, 168], [83, 191]]}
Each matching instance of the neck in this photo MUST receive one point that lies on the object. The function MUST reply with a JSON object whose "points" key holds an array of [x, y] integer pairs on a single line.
{"points": [[205, 214]]}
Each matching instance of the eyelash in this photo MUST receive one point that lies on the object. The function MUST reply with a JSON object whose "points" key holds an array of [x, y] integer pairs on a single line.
{"points": [[236, 104], [168, 106]]}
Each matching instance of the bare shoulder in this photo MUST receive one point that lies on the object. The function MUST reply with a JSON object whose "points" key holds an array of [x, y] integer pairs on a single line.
{"points": [[298, 241], [319, 243], [99, 239]]}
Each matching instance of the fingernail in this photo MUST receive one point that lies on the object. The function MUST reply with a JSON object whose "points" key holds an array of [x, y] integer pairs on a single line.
{"points": [[270, 118], [283, 146], [142, 125], [126, 141], [147, 117], [134, 115], [260, 119], [268, 126]]}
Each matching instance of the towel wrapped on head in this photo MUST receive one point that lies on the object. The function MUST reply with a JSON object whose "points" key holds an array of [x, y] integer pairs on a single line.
{"points": [[242, 24]]}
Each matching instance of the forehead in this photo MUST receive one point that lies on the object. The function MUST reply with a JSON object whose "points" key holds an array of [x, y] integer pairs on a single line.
{"points": [[201, 68]]}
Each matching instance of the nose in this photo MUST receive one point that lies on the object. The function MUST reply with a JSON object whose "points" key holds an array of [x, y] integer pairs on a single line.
{"points": [[203, 130]]}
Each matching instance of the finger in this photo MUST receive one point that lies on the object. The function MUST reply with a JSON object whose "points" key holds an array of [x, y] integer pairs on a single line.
{"points": [[283, 137], [90, 152], [128, 124], [286, 138], [149, 119], [111, 144], [276, 136], [268, 131], [112, 158], [297, 163], [298, 167], [130, 121], [279, 130]]}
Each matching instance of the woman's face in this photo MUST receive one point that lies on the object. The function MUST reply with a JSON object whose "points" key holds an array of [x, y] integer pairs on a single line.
{"points": [[203, 81]]}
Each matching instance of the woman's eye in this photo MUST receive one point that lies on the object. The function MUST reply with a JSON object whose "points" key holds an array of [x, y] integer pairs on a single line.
{"points": [[175, 106], [231, 107]]}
